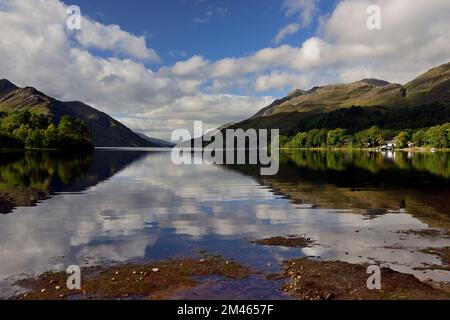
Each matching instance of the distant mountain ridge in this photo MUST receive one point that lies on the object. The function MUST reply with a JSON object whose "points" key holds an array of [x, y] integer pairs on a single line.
{"points": [[105, 130], [367, 92], [429, 88], [159, 142]]}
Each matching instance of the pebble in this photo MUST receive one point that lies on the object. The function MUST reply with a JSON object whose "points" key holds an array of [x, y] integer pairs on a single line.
{"points": [[57, 287], [155, 270], [43, 290]]}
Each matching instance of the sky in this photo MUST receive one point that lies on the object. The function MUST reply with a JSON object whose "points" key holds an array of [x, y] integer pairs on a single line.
{"points": [[158, 66]]}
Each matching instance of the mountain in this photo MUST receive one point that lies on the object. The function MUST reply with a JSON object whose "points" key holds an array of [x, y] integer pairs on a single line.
{"points": [[161, 143], [192, 143], [105, 131], [6, 87], [430, 88], [367, 92]]}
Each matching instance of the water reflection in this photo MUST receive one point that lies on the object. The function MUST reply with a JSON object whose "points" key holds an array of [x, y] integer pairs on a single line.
{"points": [[32, 176], [371, 184], [125, 205]]}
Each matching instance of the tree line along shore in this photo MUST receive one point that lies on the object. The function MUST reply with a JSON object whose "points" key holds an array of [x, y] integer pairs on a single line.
{"points": [[27, 130], [436, 137]]}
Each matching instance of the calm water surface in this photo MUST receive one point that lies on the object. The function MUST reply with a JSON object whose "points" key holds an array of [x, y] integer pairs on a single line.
{"points": [[117, 206]]}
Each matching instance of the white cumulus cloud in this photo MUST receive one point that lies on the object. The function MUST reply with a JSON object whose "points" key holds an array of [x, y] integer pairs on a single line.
{"points": [[37, 50], [112, 37]]}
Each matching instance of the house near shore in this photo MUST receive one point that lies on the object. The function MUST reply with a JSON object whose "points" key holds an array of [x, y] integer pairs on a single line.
{"points": [[390, 143]]}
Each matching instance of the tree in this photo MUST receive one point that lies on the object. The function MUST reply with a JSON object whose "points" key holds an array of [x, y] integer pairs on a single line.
{"points": [[39, 121], [21, 133], [30, 130], [14, 120], [316, 138], [299, 141], [311, 138], [437, 137], [372, 137], [336, 138], [34, 139], [419, 138], [283, 141], [52, 138], [401, 141], [375, 137]]}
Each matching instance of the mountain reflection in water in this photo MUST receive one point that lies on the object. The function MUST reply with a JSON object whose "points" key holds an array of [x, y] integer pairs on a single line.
{"points": [[137, 206]]}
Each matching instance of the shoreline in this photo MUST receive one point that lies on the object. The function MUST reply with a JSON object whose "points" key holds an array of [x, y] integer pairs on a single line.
{"points": [[300, 279], [415, 149], [160, 280], [304, 278]]}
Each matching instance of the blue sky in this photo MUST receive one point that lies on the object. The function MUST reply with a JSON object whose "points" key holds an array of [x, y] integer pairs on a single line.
{"points": [[214, 29], [157, 66]]}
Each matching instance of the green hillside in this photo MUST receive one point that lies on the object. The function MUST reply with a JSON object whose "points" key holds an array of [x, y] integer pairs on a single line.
{"points": [[333, 106], [105, 131], [432, 86]]}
